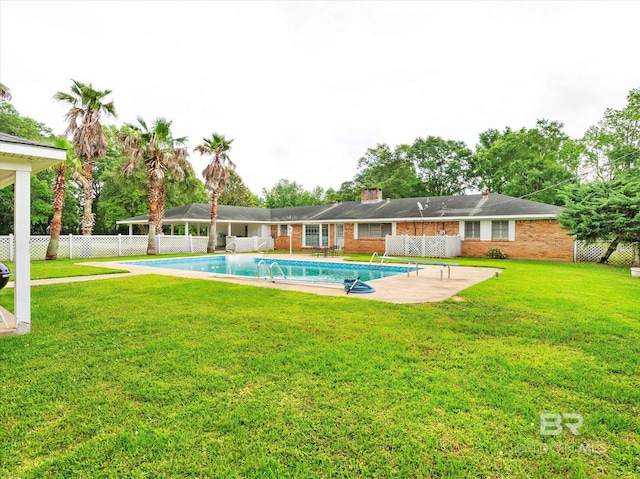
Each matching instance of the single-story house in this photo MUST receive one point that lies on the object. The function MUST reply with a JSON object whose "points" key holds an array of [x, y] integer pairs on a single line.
{"points": [[521, 228]]}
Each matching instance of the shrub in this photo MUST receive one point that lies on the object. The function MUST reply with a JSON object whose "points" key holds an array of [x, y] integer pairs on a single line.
{"points": [[495, 253]]}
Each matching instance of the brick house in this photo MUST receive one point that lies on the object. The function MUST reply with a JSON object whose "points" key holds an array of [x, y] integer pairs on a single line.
{"points": [[521, 228]]}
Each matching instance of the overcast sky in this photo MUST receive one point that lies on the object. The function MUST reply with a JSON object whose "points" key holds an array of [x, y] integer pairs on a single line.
{"points": [[304, 88]]}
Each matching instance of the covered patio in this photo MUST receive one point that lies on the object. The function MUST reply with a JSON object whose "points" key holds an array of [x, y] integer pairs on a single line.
{"points": [[19, 159], [233, 222]]}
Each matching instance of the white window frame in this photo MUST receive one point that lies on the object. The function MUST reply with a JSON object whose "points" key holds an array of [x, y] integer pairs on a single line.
{"points": [[501, 238], [381, 236], [320, 236], [463, 229]]}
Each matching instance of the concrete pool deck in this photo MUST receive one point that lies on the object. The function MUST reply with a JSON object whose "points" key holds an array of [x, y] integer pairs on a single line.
{"points": [[423, 288]]}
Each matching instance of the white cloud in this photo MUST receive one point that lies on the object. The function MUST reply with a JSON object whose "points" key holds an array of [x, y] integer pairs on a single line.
{"points": [[304, 88]]}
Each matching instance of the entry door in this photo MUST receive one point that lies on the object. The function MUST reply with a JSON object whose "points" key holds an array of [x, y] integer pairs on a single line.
{"points": [[339, 236]]}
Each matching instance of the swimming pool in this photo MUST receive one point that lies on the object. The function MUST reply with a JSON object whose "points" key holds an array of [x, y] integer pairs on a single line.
{"points": [[310, 271]]}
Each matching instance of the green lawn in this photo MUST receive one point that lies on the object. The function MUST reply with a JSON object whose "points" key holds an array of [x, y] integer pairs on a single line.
{"points": [[152, 376]]}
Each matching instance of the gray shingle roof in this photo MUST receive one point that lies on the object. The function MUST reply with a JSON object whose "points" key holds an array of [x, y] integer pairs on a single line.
{"points": [[460, 206], [21, 141]]}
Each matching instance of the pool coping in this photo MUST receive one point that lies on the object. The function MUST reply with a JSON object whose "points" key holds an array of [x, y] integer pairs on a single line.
{"points": [[425, 287]]}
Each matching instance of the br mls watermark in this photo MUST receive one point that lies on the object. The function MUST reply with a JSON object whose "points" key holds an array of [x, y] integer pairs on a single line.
{"points": [[553, 424]]}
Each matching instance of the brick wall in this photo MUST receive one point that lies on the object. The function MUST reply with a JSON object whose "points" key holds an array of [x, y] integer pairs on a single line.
{"points": [[535, 239], [428, 228], [282, 242]]}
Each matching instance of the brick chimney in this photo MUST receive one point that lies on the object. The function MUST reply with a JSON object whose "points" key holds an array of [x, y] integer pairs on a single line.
{"points": [[371, 195]]}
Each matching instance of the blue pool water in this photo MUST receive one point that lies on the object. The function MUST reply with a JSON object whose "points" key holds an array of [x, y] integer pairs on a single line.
{"points": [[313, 271]]}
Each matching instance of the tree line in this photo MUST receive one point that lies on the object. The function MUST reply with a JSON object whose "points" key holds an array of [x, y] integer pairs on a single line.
{"points": [[113, 173]]}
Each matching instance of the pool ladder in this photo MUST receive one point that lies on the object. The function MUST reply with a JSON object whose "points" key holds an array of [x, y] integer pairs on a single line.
{"points": [[270, 269]]}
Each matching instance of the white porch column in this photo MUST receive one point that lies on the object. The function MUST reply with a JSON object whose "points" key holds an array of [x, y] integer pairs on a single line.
{"points": [[21, 221], [186, 229], [198, 229], [228, 229], [130, 229], [171, 230]]}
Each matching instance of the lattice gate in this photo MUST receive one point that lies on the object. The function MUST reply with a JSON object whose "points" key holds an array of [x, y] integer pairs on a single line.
{"points": [[590, 253], [423, 246]]}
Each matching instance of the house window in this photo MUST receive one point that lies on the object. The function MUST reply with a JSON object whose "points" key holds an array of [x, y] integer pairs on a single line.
{"points": [[312, 235], [499, 230], [284, 230], [472, 229], [373, 230]]}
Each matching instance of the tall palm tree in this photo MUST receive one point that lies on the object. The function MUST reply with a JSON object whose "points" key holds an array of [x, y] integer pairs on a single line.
{"points": [[5, 93], [216, 177], [90, 142], [59, 189], [160, 152]]}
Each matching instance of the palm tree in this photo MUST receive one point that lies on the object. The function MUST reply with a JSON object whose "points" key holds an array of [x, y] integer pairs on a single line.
{"points": [[5, 93], [160, 152], [59, 189], [90, 142], [216, 177]]}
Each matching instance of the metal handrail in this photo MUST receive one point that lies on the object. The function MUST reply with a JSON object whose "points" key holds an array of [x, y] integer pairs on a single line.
{"points": [[409, 263], [275, 263], [375, 253], [263, 262], [383, 257], [266, 250]]}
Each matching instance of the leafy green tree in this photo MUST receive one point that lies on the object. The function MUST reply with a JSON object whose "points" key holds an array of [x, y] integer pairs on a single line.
{"points": [[392, 170], [70, 165], [159, 151], [348, 191], [529, 162], [287, 193], [12, 123], [613, 145], [86, 106], [237, 193], [605, 210], [216, 177], [443, 166]]}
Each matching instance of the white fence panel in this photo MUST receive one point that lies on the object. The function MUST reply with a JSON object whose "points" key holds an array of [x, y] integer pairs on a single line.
{"points": [[101, 246], [133, 245], [251, 243], [200, 244], [7, 244], [174, 244], [423, 246], [590, 253]]}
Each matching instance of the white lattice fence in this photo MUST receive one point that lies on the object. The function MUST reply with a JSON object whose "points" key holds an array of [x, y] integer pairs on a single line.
{"points": [[101, 246], [590, 253], [174, 244], [6, 248], [200, 244], [133, 245], [423, 246]]}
